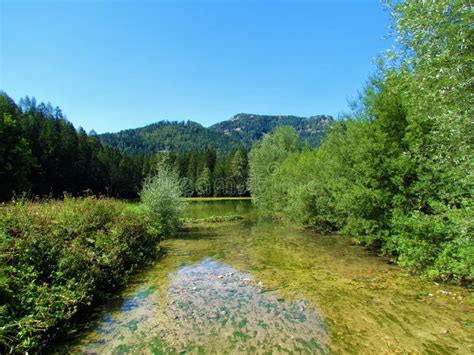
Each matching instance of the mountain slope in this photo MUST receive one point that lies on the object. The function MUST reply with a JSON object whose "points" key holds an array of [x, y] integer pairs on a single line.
{"points": [[248, 128], [164, 135], [242, 129]]}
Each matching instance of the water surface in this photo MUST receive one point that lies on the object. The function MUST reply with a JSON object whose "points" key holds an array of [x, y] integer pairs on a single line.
{"points": [[256, 286]]}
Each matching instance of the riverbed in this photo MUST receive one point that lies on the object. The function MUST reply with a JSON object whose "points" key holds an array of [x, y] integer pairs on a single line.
{"points": [[258, 286]]}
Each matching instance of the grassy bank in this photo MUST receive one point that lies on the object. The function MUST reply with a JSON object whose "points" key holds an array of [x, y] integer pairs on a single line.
{"points": [[58, 257]]}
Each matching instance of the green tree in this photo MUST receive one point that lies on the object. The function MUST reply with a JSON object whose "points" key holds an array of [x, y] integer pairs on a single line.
{"points": [[204, 183], [15, 154], [239, 171], [264, 162]]}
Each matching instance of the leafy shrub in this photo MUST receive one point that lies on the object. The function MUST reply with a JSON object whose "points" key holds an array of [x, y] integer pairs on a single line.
{"points": [[57, 257], [160, 197]]}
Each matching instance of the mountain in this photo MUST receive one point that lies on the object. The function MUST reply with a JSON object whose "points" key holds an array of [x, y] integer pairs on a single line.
{"points": [[248, 128], [165, 135], [242, 129]]}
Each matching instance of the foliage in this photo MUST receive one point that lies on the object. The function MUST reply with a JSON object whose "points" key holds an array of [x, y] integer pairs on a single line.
{"points": [[57, 257], [42, 154], [397, 175], [160, 197], [15, 154], [239, 171], [264, 163], [211, 173]]}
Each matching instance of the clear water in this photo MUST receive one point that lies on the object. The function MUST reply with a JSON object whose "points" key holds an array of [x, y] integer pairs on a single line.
{"points": [[256, 286]]}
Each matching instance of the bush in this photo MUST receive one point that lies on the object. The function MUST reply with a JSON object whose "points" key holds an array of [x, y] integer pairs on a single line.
{"points": [[57, 257], [160, 197]]}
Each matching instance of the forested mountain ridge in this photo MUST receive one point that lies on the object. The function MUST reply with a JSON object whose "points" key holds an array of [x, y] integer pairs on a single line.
{"points": [[248, 128], [242, 129], [168, 136]]}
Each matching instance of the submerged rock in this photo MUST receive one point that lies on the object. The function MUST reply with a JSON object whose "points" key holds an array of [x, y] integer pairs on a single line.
{"points": [[244, 316]]}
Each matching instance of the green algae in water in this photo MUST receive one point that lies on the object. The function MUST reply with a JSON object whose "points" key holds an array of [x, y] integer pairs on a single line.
{"points": [[318, 294]]}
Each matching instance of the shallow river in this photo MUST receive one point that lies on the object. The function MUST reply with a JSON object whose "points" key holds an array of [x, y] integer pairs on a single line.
{"points": [[254, 286]]}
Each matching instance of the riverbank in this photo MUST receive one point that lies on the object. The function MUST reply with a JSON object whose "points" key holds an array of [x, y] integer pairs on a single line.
{"points": [[59, 257]]}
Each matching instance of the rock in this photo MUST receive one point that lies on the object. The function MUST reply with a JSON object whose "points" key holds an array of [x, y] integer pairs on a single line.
{"points": [[220, 276]]}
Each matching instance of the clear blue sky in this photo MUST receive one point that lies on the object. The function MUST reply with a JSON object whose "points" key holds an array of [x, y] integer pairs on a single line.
{"points": [[112, 65]]}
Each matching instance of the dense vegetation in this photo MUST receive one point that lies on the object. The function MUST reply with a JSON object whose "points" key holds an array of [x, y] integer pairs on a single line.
{"points": [[57, 257], [210, 173], [42, 154], [397, 173], [225, 137]]}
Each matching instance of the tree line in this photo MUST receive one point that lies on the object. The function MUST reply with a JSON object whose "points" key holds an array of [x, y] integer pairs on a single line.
{"points": [[396, 174], [43, 154]]}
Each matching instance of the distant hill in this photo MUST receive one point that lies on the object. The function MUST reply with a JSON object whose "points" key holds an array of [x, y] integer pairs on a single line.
{"points": [[164, 135], [225, 136], [248, 128]]}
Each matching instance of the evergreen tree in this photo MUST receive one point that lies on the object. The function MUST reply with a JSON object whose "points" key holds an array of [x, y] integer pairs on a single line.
{"points": [[238, 171], [15, 155]]}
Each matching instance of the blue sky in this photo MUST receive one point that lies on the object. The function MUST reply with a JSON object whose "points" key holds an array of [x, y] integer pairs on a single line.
{"points": [[112, 65]]}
